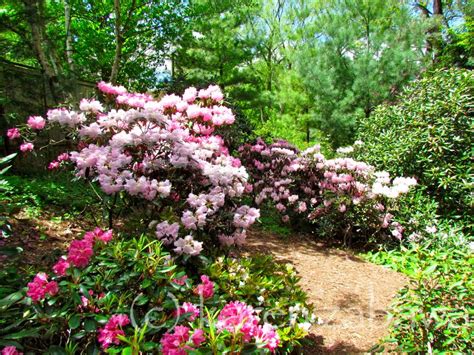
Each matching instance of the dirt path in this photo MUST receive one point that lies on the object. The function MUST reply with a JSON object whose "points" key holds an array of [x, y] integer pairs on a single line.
{"points": [[351, 296]]}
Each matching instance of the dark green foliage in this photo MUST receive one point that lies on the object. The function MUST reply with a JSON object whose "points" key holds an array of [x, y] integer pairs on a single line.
{"points": [[434, 313], [428, 134], [416, 211]]}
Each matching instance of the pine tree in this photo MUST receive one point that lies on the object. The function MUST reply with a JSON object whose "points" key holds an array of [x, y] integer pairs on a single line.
{"points": [[355, 55]]}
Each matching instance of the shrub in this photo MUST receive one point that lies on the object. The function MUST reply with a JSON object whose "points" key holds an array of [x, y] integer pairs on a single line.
{"points": [[129, 295], [428, 134], [161, 157], [342, 197], [434, 313]]}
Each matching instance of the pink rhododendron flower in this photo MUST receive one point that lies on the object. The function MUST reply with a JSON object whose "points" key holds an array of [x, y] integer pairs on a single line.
{"points": [[80, 252], [27, 147], [61, 266], [40, 287], [190, 94], [36, 122], [110, 89], [10, 350], [99, 234], [53, 165], [206, 288], [13, 133], [198, 337], [187, 307], [63, 157], [109, 334], [65, 117], [268, 336], [167, 232], [179, 342], [238, 317], [245, 216], [176, 343], [91, 105], [188, 245]]}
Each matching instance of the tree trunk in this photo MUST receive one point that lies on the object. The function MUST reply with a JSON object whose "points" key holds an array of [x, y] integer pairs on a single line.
{"points": [[118, 43], [437, 7], [35, 18], [67, 24]]}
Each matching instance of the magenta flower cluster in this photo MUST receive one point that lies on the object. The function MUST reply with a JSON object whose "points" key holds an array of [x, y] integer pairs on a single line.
{"points": [[239, 318], [108, 335], [81, 251], [79, 254], [40, 287], [10, 350], [181, 340]]}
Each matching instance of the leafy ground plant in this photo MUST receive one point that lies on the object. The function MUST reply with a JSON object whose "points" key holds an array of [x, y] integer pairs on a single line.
{"points": [[128, 295], [434, 313]]}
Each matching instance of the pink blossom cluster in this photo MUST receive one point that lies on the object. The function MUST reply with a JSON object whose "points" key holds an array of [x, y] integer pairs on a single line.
{"points": [[205, 288], [60, 160], [13, 133], [79, 254], [187, 308], [164, 151], [188, 245], [110, 89], [239, 318], [108, 335], [10, 350], [40, 287], [180, 342], [81, 251], [36, 122], [166, 232], [308, 185]]}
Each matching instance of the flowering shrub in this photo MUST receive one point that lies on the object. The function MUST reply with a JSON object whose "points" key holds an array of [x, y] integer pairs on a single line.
{"points": [[161, 155], [341, 195], [129, 295]]}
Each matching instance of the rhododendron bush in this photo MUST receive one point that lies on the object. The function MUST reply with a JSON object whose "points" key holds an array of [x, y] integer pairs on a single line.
{"points": [[162, 154], [116, 294], [341, 195]]}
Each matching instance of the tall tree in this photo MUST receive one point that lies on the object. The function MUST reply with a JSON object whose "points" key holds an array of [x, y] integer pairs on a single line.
{"points": [[217, 49], [356, 54], [120, 40]]}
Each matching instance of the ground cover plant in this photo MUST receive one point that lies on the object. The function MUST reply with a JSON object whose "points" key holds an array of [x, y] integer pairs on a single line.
{"points": [[434, 312], [128, 294]]}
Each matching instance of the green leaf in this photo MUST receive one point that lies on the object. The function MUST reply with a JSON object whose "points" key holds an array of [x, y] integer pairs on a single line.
{"points": [[10, 299], [27, 333], [6, 159], [74, 321], [90, 325]]}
